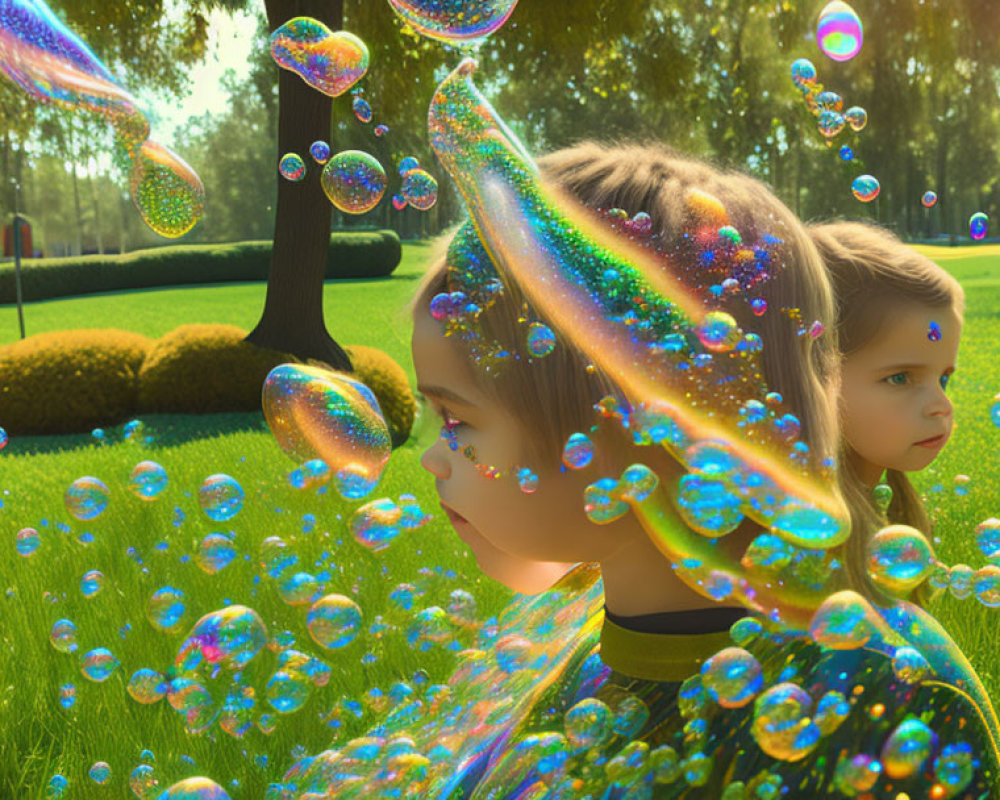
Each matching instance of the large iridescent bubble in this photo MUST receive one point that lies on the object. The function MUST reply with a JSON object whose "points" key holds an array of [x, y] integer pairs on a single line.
{"points": [[454, 21], [230, 637], [166, 190], [328, 61], [354, 181], [198, 788], [839, 33], [318, 413]]}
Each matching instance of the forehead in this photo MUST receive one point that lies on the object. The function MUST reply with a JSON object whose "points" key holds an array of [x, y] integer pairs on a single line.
{"points": [[903, 337], [439, 361]]}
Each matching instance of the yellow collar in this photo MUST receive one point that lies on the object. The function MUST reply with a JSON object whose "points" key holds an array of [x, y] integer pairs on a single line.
{"points": [[658, 656]]}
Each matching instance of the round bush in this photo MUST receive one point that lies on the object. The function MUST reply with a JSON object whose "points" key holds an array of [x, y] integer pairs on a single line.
{"points": [[202, 369], [380, 373], [70, 381]]}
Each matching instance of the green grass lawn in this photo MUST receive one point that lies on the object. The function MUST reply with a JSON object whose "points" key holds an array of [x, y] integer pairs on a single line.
{"points": [[142, 546]]}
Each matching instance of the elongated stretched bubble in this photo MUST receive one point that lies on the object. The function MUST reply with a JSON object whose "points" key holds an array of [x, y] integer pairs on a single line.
{"points": [[54, 65]]}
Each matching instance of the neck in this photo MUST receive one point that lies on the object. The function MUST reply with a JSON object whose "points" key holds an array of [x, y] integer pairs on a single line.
{"points": [[868, 473], [638, 579]]}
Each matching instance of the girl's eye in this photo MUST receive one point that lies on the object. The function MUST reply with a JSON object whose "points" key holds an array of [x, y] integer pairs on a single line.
{"points": [[450, 423], [944, 381], [892, 379]]}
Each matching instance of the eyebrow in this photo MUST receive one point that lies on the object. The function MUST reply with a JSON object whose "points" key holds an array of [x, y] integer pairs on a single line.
{"points": [[443, 393], [911, 366]]}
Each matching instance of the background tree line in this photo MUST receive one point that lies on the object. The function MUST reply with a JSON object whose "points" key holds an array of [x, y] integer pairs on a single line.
{"points": [[712, 80]]}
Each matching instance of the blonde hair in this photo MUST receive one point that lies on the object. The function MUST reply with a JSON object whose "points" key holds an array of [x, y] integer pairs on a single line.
{"points": [[870, 269], [553, 397]]}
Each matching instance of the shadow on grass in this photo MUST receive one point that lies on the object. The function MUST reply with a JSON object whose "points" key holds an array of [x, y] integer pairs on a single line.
{"points": [[167, 430]]}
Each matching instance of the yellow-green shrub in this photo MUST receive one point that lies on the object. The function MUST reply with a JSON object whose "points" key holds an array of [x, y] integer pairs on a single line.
{"points": [[201, 369], [389, 383], [69, 381]]}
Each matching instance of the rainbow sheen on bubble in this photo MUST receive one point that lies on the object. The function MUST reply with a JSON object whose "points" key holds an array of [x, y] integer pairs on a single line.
{"points": [[900, 559], [167, 191], [354, 181], [147, 686], [377, 523], [320, 151], [27, 542], [148, 480], [198, 788], [215, 552], [865, 188], [454, 21], [318, 413], [839, 32], [331, 62], [86, 498], [291, 167], [166, 608], [420, 189], [929, 199], [230, 637], [979, 225], [98, 664], [362, 109], [333, 621], [220, 497]]}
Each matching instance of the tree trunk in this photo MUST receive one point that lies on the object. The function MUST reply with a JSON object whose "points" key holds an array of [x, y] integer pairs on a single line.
{"points": [[292, 320], [97, 215]]}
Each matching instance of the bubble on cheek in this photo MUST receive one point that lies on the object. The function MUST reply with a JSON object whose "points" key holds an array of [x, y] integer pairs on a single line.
{"points": [[527, 480]]}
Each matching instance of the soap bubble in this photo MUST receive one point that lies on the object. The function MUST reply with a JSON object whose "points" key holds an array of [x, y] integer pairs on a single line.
{"points": [[354, 181], [541, 340], [299, 588], [856, 774], [168, 193], [292, 167], [865, 188], [56, 788], [144, 783], [828, 100], [929, 200], [995, 411], [86, 498], [148, 480], [27, 541], [781, 722], [327, 61], [839, 32], [430, 627], [420, 189], [986, 584], [732, 677], [231, 637], [979, 225], [320, 151], [195, 789], [846, 153], [333, 621], [588, 723], [220, 497], [3, 438], [856, 117], [954, 768], [381, 130], [718, 332], [406, 164], [907, 748], [362, 109], [98, 664], [314, 412], [166, 608], [100, 772], [147, 686], [454, 21], [398, 202], [375, 524], [215, 552], [803, 73], [831, 123], [900, 558], [910, 665], [67, 695], [91, 583], [63, 636], [578, 452]]}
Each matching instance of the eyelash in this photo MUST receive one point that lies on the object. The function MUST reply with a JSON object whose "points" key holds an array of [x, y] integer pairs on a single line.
{"points": [[446, 415], [944, 378]]}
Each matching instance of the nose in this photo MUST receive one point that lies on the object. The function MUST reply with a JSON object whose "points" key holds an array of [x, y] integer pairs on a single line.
{"points": [[940, 404], [435, 462]]}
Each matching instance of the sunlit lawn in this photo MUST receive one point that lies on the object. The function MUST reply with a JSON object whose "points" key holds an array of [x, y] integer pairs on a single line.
{"points": [[39, 738]]}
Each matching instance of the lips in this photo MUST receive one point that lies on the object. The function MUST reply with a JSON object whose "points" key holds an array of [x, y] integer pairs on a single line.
{"points": [[934, 441]]}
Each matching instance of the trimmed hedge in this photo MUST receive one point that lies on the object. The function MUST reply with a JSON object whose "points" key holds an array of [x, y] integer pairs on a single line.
{"points": [[352, 254], [74, 381]]}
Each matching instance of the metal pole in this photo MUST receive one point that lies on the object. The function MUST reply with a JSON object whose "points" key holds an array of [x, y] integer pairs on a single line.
{"points": [[17, 257]]}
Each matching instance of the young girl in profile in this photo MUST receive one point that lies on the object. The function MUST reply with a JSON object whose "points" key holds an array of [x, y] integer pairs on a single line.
{"points": [[657, 631], [899, 321]]}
